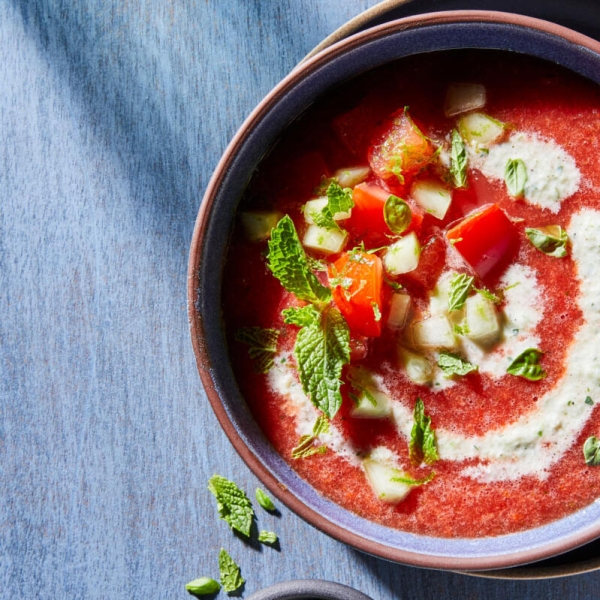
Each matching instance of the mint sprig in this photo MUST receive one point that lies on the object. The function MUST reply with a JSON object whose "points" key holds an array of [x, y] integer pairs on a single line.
{"points": [[458, 160], [527, 365], [305, 315], [322, 349], [423, 444], [233, 505], [230, 575], [289, 263], [460, 286], [306, 445], [551, 240], [263, 346], [339, 200], [452, 364]]}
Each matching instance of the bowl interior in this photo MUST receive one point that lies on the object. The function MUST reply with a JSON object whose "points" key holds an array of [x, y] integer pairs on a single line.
{"points": [[356, 55]]}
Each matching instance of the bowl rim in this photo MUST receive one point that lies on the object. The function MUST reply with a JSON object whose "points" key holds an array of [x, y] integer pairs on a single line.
{"points": [[201, 345]]}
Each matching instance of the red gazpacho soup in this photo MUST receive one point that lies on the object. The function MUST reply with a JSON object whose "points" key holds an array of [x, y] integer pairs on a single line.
{"points": [[412, 294]]}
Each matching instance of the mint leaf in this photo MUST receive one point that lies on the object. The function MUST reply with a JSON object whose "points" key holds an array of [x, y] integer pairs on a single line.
{"points": [[488, 295], [203, 586], [263, 500], [231, 578], [460, 286], [267, 537], [397, 214], [306, 445], [551, 240], [339, 200], [307, 315], [452, 364], [591, 451], [233, 505], [411, 481], [515, 176], [321, 350], [422, 437], [458, 160], [527, 365], [263, 345], [289, 263]]}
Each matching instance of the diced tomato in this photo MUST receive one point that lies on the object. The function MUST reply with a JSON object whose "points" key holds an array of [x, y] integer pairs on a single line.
{"points": [[483, 238], [356, 280], [401, 151], [367, 221]]}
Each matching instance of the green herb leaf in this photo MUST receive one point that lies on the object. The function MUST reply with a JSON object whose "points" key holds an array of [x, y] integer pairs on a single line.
{"points": [[527, 365], [231, 578], [458, 160], [321, 350], [488, 295], [376, 311], [263, 500], [339, 200], [267, 537], [591, 451], [461, 328], [397, 214], [589, 401], [460, 286], [232, 503], [307, 315], [321, 425], [422, 437], [515, 176], [289, 263], [452, 364], [551, 240], [410, 481], [306, 445], [263, 345], [203, 586]]}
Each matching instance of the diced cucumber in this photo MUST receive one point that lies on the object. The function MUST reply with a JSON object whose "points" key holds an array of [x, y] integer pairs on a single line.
{"points": [[438, 300], [351, 176], [481, 319], [479, 130], [418, 368], [328, 241], [432, 197], [464, 97], [399, 307], [434, 332], [258, 224], [403, 256], [380, 478], [372, 404], [316, 206]]}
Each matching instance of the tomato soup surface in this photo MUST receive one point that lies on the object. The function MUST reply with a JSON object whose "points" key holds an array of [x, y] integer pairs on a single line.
{"points": [[471, 294]]}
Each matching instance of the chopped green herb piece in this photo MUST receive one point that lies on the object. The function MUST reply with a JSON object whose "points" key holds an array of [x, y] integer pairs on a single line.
{"points": [[267, 537], [397, 214], [410, 481], [231, 578], [263, 346], [203, 586], [316, 265], [589, 401], [452, 364], [232, 503], [264, 501], [376, 311], [488, 295], [339, 200], [306, 445], [289, 263], [306, 315], [515, 176], [458, 160], [551, 240], [321, 350], [461, 328], [321, 425], [460, 286], [527, 365], [393, 284], [422, 437], [591, 451]]}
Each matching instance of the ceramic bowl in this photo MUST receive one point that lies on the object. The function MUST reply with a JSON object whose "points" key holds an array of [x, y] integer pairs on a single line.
{"points": [[309, 81], [308, 589]]}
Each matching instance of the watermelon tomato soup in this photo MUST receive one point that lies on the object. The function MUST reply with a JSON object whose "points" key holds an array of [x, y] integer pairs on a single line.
{"points": [[412, 294]]}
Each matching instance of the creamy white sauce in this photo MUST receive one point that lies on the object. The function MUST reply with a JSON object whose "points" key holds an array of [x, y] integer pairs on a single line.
{"points": [[552, 175], [534, 442]]}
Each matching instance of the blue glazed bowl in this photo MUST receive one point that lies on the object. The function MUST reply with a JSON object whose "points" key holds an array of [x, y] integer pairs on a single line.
{"points": [[309, 81], [308, 589]]}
